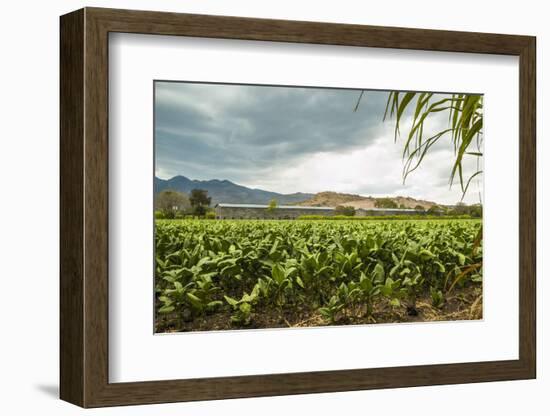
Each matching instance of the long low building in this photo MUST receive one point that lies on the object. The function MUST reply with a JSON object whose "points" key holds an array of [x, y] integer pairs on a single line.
{"points": [[369, 212], [257, 211]]}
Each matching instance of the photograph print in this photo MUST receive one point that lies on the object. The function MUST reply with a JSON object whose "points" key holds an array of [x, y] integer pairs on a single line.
{"points": [[294, 206]]}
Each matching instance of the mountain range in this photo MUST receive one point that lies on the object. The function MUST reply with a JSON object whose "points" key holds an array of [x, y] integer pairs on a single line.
{"points": [[230, 192]]}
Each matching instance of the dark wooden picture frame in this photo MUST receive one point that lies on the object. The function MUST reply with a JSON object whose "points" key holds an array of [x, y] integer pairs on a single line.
{"points": [[84, 207]]}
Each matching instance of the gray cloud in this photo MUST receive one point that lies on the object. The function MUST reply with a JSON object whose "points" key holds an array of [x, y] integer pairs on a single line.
{"points": [[261, 135], [263, 125]]}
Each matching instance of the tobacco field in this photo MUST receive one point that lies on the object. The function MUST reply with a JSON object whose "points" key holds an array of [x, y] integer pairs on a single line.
{"points": [[239, 274]]}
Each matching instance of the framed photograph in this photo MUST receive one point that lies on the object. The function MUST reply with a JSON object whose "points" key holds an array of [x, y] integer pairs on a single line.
{"points": [[254, 207]]}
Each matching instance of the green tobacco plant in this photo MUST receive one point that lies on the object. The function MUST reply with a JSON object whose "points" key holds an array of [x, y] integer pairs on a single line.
{"points": [[393, 291], [366, 291], [281, 282], [337, 269], [243, 308], [332, 308], [438, 299], [201, 296]]}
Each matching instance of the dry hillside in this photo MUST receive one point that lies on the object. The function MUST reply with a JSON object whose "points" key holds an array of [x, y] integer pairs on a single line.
{"points": [[332, 199]]}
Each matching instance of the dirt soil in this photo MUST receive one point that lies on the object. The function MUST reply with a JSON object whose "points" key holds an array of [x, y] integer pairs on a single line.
{"points": [[462, 304]]}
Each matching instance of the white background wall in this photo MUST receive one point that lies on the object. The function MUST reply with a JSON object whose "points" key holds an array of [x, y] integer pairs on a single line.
{"points": [[29, 159]]}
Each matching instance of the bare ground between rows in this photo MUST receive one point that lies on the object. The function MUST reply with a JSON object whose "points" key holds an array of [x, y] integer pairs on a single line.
{"points": [[462, 304]]}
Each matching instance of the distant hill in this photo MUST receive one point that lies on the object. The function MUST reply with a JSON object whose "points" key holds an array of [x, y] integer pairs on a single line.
{"points": [[332, 199], [228, 192]]}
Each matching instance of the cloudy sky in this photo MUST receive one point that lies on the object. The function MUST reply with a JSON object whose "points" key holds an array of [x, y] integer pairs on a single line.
{"points": [[289, 139]]}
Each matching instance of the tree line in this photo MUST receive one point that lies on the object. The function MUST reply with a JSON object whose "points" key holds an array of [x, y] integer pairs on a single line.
{"points": [[172, 204]]}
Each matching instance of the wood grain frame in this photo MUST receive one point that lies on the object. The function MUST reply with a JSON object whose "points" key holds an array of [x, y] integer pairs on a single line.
{"points": [[84, 207]]}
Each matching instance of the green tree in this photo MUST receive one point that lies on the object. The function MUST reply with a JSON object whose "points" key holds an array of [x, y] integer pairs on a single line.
{"points": [[419, 208], [347, 211], [385, 203], [272, 205], [476, 210], [200, 201], [460, 208], [436, 210], [170, 203]]}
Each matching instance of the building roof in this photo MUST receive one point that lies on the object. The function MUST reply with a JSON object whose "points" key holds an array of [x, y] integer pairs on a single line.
{"points": [[226, 205], [388, 209]]}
